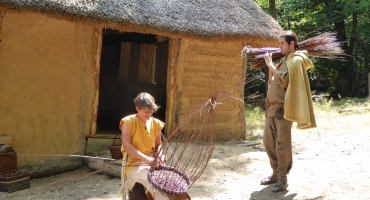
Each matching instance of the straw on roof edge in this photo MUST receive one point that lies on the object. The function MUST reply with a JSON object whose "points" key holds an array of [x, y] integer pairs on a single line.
{"points": [[215, 20]]}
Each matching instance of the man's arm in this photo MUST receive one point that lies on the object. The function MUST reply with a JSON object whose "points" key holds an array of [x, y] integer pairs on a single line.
{"points": [[270, 64]]}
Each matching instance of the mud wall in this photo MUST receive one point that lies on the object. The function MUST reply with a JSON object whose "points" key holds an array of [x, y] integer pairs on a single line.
{"points": [[48, 87], [198, 62]]}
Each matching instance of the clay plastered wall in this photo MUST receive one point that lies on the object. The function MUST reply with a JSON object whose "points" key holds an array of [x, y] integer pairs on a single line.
{"points": [[198, 61], [46, 84]]}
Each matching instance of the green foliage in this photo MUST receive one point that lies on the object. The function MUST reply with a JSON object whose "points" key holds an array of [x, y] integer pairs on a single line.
{"points": [[255, 83], [255, 118], [323, 106], [350, 19]]}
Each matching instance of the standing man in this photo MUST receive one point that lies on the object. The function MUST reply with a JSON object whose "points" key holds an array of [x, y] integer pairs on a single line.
{"points": [[288, 100]]}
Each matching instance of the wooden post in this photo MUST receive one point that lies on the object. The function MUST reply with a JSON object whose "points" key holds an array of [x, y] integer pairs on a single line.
{"points": [[171, 88], [96, 49], [124, 62], [146, 63]]}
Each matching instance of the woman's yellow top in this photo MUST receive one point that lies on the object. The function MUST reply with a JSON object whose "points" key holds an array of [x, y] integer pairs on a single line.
{"points": [[142, 138]]}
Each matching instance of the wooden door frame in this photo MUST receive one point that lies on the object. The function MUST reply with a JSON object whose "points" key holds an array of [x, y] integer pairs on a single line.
{"points": [[172, 109]]}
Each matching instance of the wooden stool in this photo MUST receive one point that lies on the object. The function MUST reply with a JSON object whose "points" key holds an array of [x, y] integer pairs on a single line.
{"points": [[138, 192]]}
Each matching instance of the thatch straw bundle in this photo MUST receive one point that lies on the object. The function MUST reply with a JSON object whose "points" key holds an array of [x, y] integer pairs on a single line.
{"points": [[322, 46], [204, 20]]}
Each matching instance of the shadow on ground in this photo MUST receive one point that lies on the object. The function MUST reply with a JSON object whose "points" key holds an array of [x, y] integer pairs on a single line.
{"points": [[257, 195]]}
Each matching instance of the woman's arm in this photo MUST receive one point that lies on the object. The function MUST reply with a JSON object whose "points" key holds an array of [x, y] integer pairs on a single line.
{"points": [[131, 150], [158, 148], [158, 143]]}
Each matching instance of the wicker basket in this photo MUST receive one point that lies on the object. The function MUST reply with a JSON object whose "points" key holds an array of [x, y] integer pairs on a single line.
{"points": [[14, 181], [8, 162], [169, 180], [115, 149]]}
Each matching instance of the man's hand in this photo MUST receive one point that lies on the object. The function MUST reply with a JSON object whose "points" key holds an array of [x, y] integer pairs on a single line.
{"points": [[270, 64], [268, 59]]}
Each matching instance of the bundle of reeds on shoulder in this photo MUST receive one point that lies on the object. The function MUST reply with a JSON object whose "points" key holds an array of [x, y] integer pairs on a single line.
{"points": [[322, 46]]}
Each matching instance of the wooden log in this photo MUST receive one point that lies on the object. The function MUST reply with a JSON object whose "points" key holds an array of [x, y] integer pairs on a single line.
{"points": [[110, 168], [353, 109], [255, 101], [248, 144]]}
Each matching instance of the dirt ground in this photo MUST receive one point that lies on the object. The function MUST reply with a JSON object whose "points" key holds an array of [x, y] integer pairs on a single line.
{"points": [[330, 162]]}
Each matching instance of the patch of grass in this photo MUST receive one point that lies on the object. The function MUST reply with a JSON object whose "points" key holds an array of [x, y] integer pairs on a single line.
{"points": [[255, 120], [325, 106]]}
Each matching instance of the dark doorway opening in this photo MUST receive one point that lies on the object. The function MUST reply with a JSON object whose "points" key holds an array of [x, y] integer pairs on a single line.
{"points": [[130, 63]]}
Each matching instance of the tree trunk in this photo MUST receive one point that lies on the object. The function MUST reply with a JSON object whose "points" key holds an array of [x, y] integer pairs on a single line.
{"points": [[272, 9], [344, 82], [354, 48], [368, 83]]}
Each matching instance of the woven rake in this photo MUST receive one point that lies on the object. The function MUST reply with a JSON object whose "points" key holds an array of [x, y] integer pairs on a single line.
{"points": [[322, 46], [190, 144]]}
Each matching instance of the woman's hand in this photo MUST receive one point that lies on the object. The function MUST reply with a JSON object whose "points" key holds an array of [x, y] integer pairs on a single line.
{"points": [[162, 160], [148, 160], [154, 162]]}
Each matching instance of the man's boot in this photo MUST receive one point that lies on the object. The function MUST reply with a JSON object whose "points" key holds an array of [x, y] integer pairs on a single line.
{"points": [[281, 184], [273, 178]]}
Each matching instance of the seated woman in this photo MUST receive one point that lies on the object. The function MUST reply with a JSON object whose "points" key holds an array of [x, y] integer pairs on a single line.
{"points": [[141, 139]]}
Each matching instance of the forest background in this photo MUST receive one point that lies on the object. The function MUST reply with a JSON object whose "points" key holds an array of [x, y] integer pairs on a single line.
{"points": [[349, 19]]}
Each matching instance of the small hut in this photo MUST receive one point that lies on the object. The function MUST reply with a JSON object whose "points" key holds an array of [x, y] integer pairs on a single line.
{"points": [[71, 68]]}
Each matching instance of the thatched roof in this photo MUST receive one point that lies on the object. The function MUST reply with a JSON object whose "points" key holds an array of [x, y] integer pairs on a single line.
{"points": [[232, 19]]}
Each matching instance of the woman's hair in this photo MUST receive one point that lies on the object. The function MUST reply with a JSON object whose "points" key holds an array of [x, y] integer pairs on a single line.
{"points": [[145, 100], [289, 37]]}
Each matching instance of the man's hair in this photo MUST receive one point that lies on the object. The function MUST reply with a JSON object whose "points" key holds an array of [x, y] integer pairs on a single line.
{"points": [[145, 100], [289, 37]]}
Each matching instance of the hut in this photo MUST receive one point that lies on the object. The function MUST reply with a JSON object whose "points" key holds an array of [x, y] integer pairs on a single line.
{"points": [[71, 68]]}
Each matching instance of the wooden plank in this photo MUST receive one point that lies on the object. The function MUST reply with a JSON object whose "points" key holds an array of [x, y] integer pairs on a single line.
{"points": [[146, 63], [255, 101], [124, 63], [134, 62], [104, 136], [161, 63], [248, 144]]}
